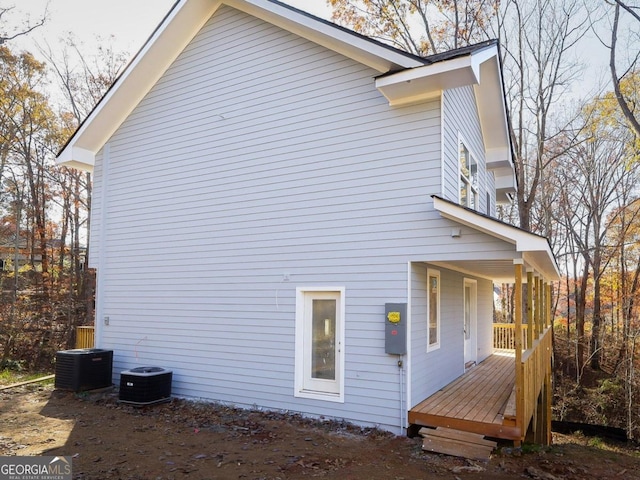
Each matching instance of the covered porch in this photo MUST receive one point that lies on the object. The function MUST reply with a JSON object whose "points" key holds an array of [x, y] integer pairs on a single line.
{"points": [[476, 402], [508, 394]]}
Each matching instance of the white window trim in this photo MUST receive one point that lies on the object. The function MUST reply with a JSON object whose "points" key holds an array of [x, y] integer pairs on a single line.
{"points": [[474, 314], [435, 346], [472, 156], [299, 390]]}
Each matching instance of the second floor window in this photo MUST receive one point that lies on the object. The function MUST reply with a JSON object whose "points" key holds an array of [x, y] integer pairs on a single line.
{"points": [[468, 178]]}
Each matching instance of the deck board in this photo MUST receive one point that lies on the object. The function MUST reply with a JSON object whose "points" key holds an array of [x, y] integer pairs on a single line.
{"points": [[476, 401]]}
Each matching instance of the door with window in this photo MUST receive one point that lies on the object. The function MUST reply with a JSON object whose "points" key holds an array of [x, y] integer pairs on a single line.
{"points": [[319, 339], [470, 322]]}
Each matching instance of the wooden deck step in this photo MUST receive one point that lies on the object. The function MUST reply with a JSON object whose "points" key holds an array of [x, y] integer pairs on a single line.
{"points": [[457, 443], [510, 408]]}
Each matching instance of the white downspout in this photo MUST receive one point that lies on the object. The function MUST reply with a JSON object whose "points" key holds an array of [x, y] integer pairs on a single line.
{"points": [[407, 363], [102, 255], [402, 403]]}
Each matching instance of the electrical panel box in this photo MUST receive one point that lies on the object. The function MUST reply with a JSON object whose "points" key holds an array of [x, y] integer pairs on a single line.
{"points": [[395, 328]]}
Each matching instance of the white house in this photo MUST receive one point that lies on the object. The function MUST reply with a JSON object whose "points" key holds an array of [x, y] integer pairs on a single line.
{"points": [[272, 190]]}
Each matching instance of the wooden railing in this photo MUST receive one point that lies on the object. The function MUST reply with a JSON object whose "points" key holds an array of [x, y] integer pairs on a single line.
{"points": [[536, 383], [533, 379], [85, 337], [504, 335]]}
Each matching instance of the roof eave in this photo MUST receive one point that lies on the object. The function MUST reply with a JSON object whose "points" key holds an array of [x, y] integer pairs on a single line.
{"points": [[533, 248], [378, 56], [178, 28], [481, 69], [427, 81]]}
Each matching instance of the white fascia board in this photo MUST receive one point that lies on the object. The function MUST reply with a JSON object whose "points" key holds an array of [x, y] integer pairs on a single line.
{"points": [[426, 82], [543, 263], [505, 178], [367, 52], [505, 184], [76, 157], [478, 58], [536, 247], [167, 42], [180, 26], [492, 107], [498, 158], [477, 222]]}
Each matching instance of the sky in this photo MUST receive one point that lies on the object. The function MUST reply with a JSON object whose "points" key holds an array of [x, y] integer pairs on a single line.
{"points": [[131, 22]]}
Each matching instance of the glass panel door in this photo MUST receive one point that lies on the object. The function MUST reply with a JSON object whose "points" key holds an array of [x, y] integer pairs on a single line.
{"points": [[323, 340]]}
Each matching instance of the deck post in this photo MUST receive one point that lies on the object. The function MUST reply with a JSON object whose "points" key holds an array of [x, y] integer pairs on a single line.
{"points": [[547, 307], [539, 307], [547, 399], [539, 419], [517, 294], [547, 380], [530, 303]]}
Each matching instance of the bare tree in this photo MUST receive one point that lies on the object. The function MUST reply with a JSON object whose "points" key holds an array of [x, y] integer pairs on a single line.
{"points": [[421, 27], [627, 104], [7, 34], [600, 164], [83, 79], [537, 39], [33, 125]]}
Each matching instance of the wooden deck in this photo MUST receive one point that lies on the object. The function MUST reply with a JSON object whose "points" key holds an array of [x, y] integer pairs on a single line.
{"points": [[478, 401]]}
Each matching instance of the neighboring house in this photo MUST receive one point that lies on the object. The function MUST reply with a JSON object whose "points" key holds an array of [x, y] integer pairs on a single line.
{"points": [[266, 183], [22, 253]]}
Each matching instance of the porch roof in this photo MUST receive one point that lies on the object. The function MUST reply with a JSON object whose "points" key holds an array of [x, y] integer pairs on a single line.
{"points": [[528, 248]]}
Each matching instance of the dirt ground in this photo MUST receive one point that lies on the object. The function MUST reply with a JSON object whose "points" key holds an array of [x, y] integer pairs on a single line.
{"points": [[189, 440]]}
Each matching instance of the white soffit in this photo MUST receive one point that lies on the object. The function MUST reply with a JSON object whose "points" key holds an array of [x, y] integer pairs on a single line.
{"points": [[492, 110], [534, 247], [424, 82], [498, 157], [505, 178], [166, 43], [356, 47]]}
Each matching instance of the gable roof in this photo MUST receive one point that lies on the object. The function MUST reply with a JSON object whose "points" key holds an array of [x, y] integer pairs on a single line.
{"points": [[405, 78]]}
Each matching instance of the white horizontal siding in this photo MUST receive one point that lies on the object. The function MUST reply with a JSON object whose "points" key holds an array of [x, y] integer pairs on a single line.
{"points": [[259, 154], [430, 371], [460, 120]]}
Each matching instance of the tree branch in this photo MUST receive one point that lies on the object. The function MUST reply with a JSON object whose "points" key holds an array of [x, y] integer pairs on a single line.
{"points": [[624, 106]]}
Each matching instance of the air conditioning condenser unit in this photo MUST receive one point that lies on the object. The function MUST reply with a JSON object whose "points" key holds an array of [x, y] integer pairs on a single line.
{"points": [[145, 385], [83, 369]]}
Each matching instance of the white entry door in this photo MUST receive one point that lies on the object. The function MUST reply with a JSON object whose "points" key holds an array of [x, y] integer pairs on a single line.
{"points": [[470, 322]]}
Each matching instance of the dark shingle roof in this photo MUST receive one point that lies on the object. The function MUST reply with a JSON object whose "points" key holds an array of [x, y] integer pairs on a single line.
{"points": [[459, 52]]}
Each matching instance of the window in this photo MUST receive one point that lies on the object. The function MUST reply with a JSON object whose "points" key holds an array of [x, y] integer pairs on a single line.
{"points": [[319, 343], [468, 178], [433, 309]]}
